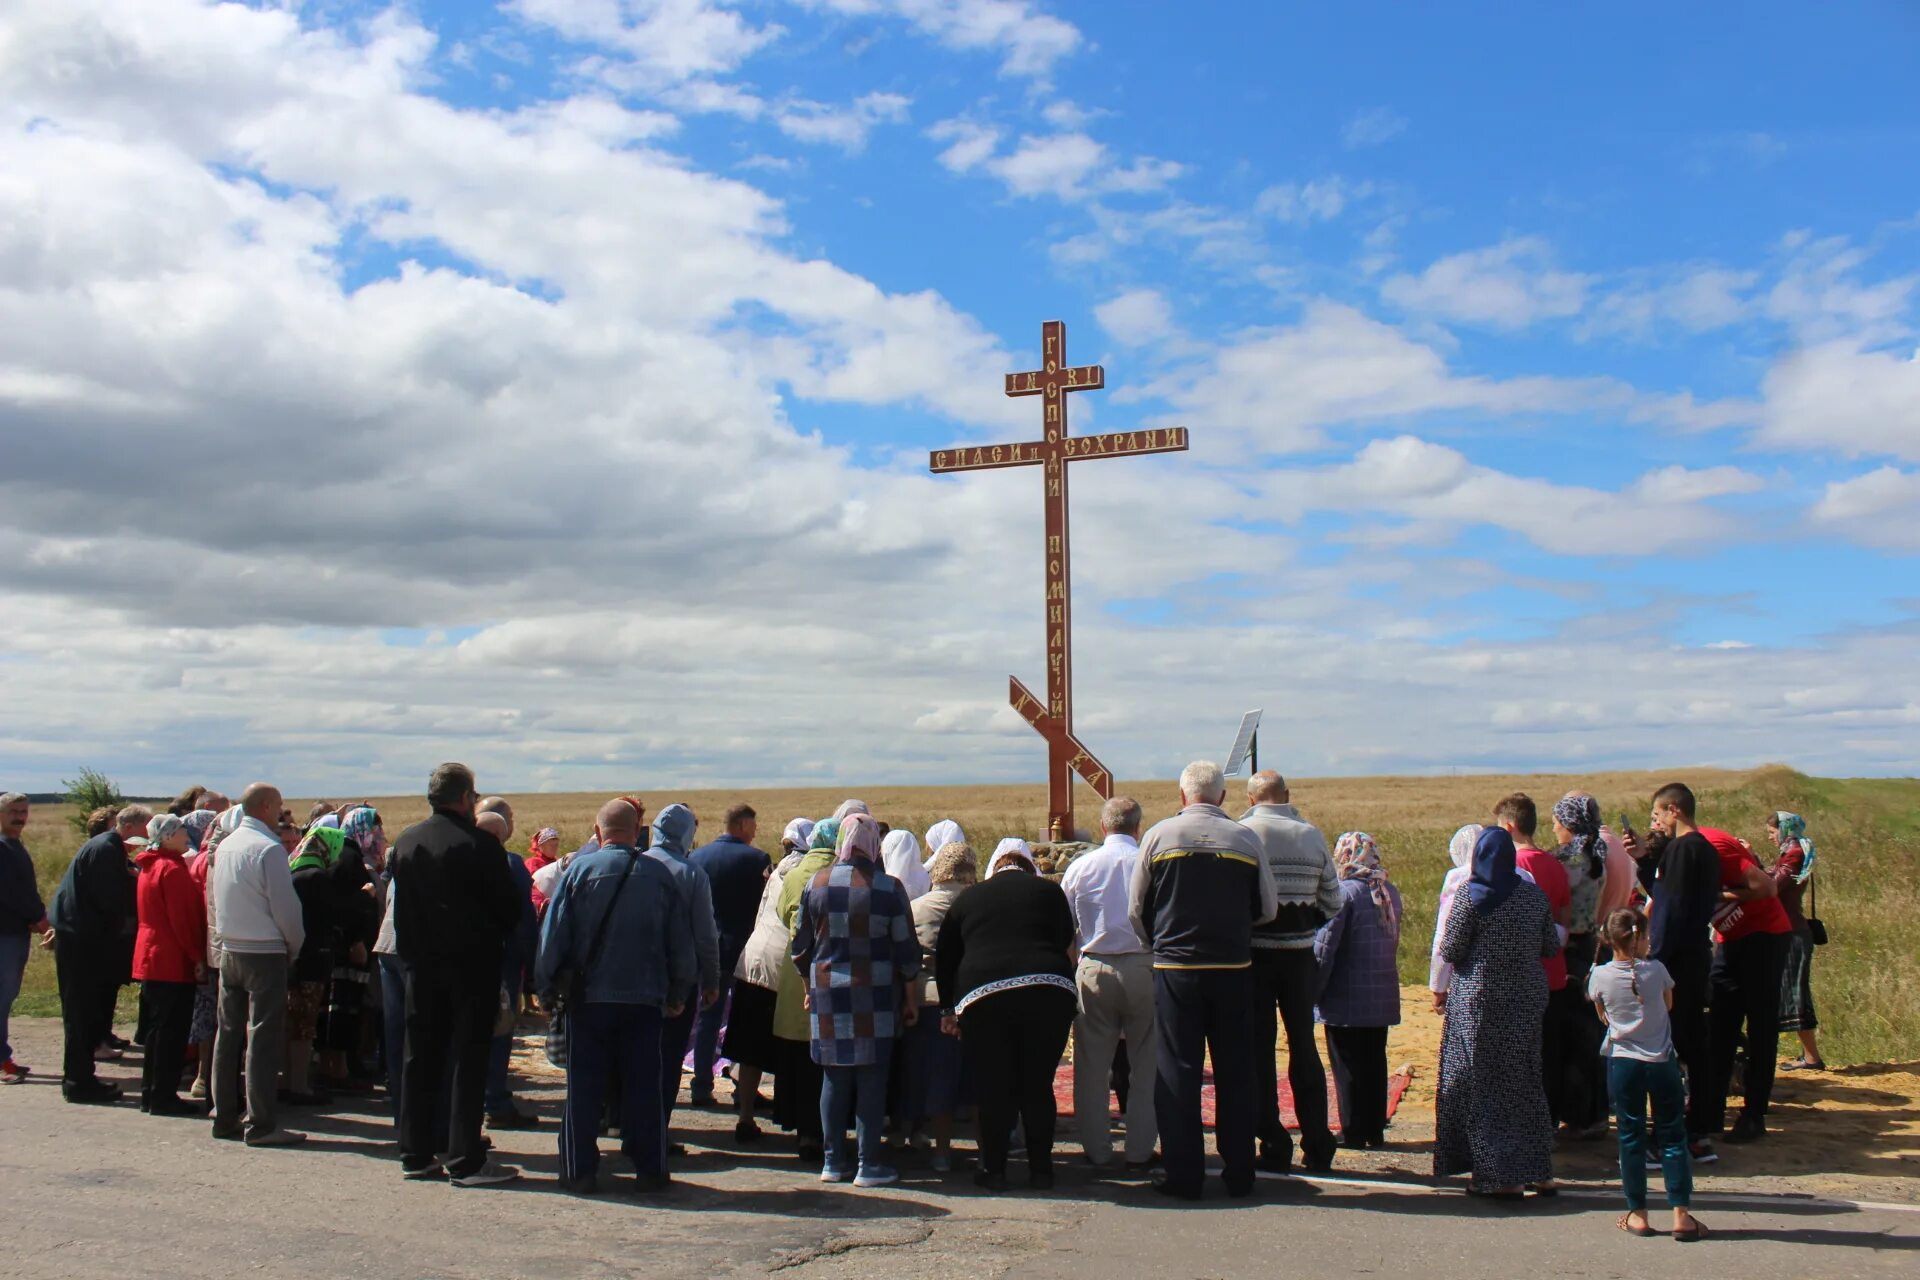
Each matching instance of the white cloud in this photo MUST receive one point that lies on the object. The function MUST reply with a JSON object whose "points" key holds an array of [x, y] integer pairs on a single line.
{"points": [[1694, 299], [1681, 485], [1136, 317], [669, 40], [969, 145], [1028, 39], [1838, 398], [1372, 127], [1304, 203], [1069, 166], [1820, 297], [844, 127], [1880, 508], [1508, 286]]}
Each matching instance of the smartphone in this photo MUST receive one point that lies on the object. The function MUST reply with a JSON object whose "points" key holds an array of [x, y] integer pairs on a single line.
{"points": [[1626, 826]]}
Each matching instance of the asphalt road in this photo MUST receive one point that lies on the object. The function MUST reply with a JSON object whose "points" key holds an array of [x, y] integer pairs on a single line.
{"points": [[104, 1192]]}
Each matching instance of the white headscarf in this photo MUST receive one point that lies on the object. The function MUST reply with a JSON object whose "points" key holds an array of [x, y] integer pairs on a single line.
{"points": [[1007, 852], [850, 807], [798, 833], [943, 833], [900, 855]]}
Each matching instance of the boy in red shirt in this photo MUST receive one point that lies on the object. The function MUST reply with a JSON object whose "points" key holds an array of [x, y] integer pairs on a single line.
{"points": [[1520, 818], [1753, 933]]}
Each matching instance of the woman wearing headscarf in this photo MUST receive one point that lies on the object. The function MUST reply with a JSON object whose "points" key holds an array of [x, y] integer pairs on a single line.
{"points": [[850, 807], [749, 1043], [796, 1083], [543, 850], [854, 944], [315, 884], [900, 857], [206, 1004], [1357, 955], [1004, 970], [169, 960], [1460, 850], [363, 856], [935, 1064], [1582, 1071], [940, 835], [1491, 1117], [1792, 872]]}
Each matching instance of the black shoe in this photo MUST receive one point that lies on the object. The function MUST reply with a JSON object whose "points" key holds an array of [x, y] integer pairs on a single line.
{"points": [[651, 1184], [995, 1182], [511, 1119], [1143, 1166], [677, 1149], [586, 1186], [1239, 1190], [1166, 1188], [1746, 1129], [117, 1042], [704, 1101], [1273, 1162], [746, 1132], [167, 1105], [1041, 1180], [227, 1135], [94, 1093]]}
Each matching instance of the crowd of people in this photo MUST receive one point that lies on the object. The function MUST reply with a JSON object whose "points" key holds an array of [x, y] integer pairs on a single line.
{"points": [[892, 988]]}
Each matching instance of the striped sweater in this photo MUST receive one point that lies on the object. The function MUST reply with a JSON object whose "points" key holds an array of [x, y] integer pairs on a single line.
{"points": [[1303, 877]]}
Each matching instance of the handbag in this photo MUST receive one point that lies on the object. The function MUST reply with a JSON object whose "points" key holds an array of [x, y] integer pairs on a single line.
{"points": [[570, 984], [1815, 929]]}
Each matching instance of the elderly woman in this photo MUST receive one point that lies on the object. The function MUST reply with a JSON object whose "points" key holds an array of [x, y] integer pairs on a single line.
{"points": [[797, 1082], [1491, 1117], [934, 1059], [363, 856], [900, 855], [1356, 953], [169, 960], [1582, 1074], [853, 941], [1793, 872], [749, 1042], [205, 1000], [1004, 961]]}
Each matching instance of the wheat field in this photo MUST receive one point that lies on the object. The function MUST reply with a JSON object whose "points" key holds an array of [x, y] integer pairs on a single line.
{"points": [[1867, 832]]}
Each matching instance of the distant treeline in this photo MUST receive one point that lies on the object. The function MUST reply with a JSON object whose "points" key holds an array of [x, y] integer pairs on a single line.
{"points": [[60, 797]]}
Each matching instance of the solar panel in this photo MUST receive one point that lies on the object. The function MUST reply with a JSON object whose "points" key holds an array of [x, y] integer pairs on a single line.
{"points": [[1243, 743]]}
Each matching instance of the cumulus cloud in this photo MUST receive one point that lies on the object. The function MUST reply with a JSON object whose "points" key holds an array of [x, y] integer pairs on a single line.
{"points": [[1506, 286], [844, 127], [1880, 508], [1837, 397], [1136, 317]]}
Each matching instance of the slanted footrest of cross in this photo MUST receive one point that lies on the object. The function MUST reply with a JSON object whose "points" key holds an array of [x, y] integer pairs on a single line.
{"points": [[1060, 739]]}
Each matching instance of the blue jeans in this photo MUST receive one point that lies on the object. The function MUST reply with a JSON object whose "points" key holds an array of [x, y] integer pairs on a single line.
{"points": [[14, 949], [393, 1023], [706, 1039], [857, 1095], [1633, 1084], [604, 1039]]}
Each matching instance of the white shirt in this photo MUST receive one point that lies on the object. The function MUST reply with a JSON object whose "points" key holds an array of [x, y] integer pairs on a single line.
{"points": [[255, 906], [1098, 885]]}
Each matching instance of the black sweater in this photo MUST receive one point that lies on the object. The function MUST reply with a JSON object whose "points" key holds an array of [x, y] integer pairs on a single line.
{"points": [[457, 899], [20, 905], [1685, 883], [1008, 927]]}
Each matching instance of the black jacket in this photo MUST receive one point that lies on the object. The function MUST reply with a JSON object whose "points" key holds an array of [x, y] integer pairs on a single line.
{"points": [[1011, 926], [96, 899], [457, 901], [20, 905]]}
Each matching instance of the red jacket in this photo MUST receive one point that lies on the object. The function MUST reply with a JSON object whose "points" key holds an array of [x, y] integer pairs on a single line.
{"points": [[173, 920]]}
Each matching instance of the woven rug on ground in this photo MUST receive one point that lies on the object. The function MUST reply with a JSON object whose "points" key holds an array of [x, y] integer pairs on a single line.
{"points": [[1396, 1089]]}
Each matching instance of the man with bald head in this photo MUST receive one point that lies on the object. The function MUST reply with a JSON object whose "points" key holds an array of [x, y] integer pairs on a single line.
{"points": [[454, 905], [617, 945], [259, 929], [94, 917]]}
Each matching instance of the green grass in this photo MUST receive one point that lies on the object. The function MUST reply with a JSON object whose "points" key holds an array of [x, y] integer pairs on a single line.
{"points": [[1867, 832]]}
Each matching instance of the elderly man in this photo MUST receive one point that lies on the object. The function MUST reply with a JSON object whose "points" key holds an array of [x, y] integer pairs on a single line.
{"points": [[1285, 977], [258, 929], [1115, 981], [672, 847], [22, 915], [454, 906], [615, 925], [495, 818], [94, 917], [1199, 889]]}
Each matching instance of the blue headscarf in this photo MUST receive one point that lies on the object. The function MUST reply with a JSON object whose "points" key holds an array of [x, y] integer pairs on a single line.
{"points": [[1495, 869], [198, 823], [1793, 831], [825, 837], [673, 829]]}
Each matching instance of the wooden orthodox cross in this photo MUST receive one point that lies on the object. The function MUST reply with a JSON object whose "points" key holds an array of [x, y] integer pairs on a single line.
{"points": [[1054, 718]]}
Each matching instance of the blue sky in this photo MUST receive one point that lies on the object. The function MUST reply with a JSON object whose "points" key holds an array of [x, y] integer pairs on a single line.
{"points": [[1545, 370]]}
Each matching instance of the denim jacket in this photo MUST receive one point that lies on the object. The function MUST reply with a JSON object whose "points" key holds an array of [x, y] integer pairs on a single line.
{"points": [[647, 957]]}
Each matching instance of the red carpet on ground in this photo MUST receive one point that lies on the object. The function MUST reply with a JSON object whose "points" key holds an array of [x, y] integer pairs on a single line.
{"points": [[1396, 1089]]}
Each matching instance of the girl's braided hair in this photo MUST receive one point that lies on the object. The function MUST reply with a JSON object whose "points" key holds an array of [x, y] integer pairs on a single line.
{"points": [[1623, 930]]}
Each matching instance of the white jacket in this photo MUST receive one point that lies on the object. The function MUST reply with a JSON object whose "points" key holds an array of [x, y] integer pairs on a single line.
{"points": [[255, 906]]}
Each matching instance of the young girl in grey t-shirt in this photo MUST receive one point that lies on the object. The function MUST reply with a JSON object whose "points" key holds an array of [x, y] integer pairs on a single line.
{"points": [[1632, 995]]}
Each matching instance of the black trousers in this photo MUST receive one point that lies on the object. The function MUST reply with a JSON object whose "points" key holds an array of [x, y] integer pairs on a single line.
{"points": [[1693, 1039], [169, 1010], [1202, 1012], [1745, 982], [1360, 1079], [1284, 981], [1553, 1049], [88, 979], [676, 1037], [450, 1015], [1013, 1042], [1583, 1077]]}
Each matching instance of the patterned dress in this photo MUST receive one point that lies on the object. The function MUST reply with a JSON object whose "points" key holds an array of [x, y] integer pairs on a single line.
{"points": [[1492, 1120], [854, 942]]}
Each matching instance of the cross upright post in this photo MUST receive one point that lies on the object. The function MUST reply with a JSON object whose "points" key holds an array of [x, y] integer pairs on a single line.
{"points": [[1053, 719]]}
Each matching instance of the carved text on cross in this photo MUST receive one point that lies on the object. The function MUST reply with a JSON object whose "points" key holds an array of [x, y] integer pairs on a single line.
{"points": [[1052, 381]]}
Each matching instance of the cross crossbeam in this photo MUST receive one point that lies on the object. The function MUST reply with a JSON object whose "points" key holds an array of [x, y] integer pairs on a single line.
{"points": [[1053, 718]]}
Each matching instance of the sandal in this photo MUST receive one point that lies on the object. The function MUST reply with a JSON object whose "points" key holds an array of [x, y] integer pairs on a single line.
{"points": [[1689, 1234], [1544, 1188], [1625, 1223], [1801, 1064]]}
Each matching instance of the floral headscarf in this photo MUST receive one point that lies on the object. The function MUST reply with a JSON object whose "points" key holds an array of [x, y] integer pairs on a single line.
{"points": [[825, 837], [1357, 857], [1460, 848], [1009, 852], [320, 848], [362, 826], [544, 838], [160, 829], [859, 840], [1793, 831], [198, 823], [1580, 814], [798, 833]]}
